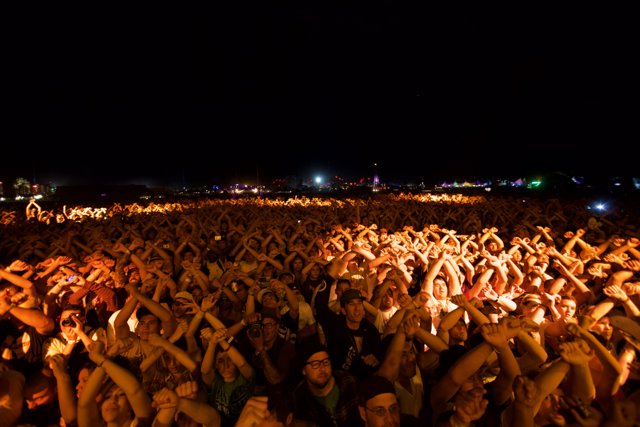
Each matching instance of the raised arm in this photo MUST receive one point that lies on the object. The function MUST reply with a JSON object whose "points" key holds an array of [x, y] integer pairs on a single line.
{"points": [[137, 396]]}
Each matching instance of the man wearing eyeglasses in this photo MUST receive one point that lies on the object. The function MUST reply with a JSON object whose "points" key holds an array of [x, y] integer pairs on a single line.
{"points": [[377, 402], [324, 397]]}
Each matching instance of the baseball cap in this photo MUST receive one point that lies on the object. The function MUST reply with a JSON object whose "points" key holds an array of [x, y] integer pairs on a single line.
{"points": [[263, 292], [184, 295], [531, 298], [350, 294], [629, 329]]}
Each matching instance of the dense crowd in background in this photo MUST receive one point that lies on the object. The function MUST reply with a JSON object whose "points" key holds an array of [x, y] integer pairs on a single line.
{"points": [[416, 310]]}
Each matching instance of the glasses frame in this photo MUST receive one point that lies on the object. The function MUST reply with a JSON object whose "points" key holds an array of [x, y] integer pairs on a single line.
{"points": [[315, 364], [381, 411]]}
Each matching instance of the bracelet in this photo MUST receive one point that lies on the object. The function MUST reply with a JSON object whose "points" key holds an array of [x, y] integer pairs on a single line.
{"points": [[497, 298]]}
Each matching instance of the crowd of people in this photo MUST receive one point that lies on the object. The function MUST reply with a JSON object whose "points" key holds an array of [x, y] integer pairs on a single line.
{"points": [[405, 310]]}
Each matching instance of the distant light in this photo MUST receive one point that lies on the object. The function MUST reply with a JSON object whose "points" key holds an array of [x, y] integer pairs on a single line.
{"points": [[318, 180], [535, 183], [487, 189], [38, 196], [601, 206]]}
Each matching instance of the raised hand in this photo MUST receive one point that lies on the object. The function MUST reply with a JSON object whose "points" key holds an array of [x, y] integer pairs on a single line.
{"points": [[421, 299], [18, 266], [615, 292], [96, 351], [165, 399], [220, 335], [576, 352], [187, 390], [632, 264], [470, 405], [494, 335], [254, 412], [405, 300], [460, 300], [411, 323], [58, 365], [63, 260], [370, 360], [525, 391], [511, 326]]}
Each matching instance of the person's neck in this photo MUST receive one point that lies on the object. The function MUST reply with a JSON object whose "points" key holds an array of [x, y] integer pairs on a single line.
{"points": [[353, 325], [405, 382], [120, 422], [453, 341], [269, 344], [322, 392]]}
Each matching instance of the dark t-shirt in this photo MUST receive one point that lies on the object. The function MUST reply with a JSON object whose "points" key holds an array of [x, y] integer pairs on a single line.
{"points": [[42, 416]]}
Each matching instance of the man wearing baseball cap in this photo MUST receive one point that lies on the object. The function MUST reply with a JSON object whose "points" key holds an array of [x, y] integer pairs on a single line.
{"points": [[354, 343]]}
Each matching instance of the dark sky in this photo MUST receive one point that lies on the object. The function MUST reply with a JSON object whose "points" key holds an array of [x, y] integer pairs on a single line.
{"points": [[224, 92]]}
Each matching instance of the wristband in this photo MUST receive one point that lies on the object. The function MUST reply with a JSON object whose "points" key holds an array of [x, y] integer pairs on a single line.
{"points": [[99, 365]]}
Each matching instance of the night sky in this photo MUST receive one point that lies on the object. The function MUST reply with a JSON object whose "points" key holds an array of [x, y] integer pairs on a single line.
{"points": [[426, 92]]}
